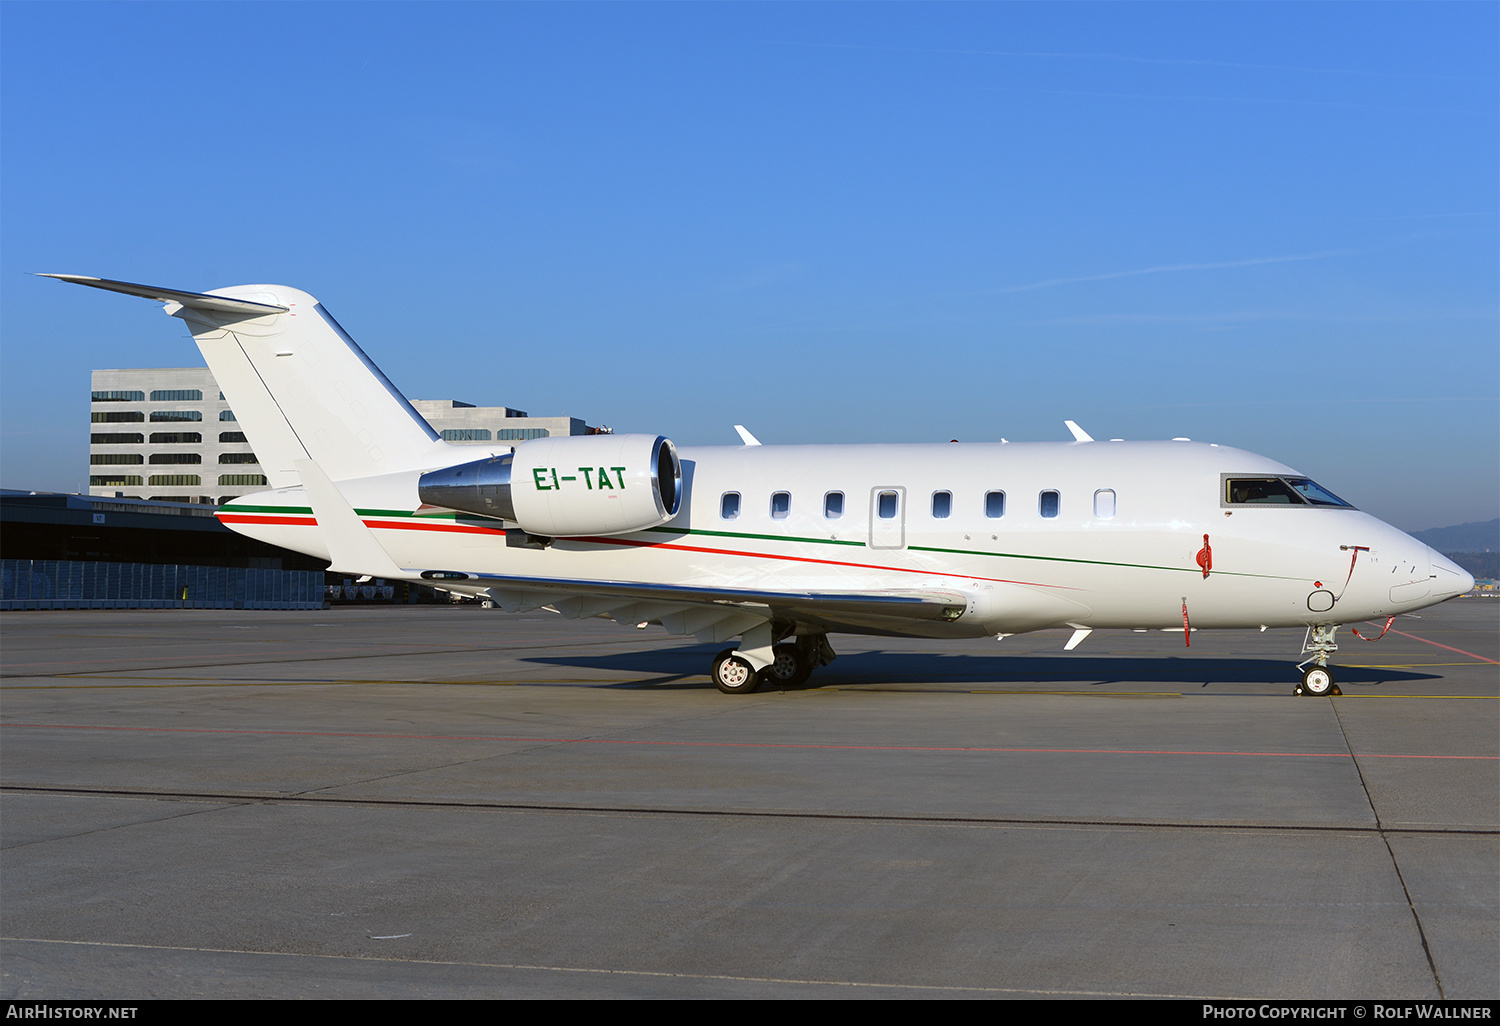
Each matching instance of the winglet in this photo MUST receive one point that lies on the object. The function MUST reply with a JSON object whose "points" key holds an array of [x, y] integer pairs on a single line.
{"points": [[746, 436], [191, 300], [352, 547], [1079, 434], [1079, 633]]}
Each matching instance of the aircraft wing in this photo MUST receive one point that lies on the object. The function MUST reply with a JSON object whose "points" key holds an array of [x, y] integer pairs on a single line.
{"points": [[716, 613]]}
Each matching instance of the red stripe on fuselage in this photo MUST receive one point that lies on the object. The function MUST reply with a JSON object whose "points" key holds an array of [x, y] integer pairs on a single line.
{"points": [[807, 559], [246, 518], [389, 525], [386, 525]]}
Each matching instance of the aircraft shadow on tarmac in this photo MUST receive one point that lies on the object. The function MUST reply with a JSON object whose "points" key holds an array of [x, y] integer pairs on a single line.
{"points": [[685, 668]]}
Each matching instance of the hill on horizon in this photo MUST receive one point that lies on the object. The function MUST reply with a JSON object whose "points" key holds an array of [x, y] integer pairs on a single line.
{"points": [[1481, 536]]}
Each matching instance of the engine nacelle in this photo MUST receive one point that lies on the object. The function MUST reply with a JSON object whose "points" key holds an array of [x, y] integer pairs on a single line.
{"points": [[568, 486]]}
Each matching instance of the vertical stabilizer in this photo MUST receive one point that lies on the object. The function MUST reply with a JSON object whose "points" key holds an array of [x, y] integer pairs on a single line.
{"points": [[299, 385], [299, 367]]}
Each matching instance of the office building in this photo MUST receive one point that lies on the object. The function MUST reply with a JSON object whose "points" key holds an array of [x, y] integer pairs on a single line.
{"points": [[167, 433]]}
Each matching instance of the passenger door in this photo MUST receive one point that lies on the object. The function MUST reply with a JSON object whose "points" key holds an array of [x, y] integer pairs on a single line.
{"points": [[888, 518]]}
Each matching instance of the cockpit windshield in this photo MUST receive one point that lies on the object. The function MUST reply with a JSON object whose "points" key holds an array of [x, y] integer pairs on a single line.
{"points": [[1315, 493], [1278, 491]]}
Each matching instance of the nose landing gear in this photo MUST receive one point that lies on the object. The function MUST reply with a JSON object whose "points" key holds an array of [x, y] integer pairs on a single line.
{"points": [[1317, 679]]}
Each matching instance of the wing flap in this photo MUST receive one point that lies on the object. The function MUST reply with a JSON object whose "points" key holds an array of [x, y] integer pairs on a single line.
{"points": [[717, 614]]}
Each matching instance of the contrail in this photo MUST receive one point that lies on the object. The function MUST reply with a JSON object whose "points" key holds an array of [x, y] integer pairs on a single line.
{"points": [[1165, 268]]}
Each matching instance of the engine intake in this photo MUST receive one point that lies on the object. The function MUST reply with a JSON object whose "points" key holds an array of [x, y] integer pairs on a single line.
{"points": [[569, 486]]}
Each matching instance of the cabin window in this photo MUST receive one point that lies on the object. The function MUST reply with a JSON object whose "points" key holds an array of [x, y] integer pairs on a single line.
{"points": [[781, 505], [1050, 503], [994, 505], [729, 505], [1104, 504], [885, 506], [833, 505], [942, 505]]}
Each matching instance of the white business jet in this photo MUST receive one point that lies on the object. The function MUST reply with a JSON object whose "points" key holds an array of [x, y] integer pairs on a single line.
{"points": [[781, 546]]}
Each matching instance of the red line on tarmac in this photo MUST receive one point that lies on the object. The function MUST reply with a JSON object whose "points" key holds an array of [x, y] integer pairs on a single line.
{"points": [[725, 744], [1439, 644]]}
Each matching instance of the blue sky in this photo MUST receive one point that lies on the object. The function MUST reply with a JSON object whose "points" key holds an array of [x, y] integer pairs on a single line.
{"points": [[1270, 226]]}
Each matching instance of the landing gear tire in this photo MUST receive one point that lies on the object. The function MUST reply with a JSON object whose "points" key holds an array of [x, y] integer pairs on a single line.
{"points": [[732, 675], [1318, 681], [791, 668]]}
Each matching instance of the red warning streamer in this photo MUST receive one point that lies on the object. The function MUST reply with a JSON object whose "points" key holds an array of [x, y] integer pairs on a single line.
{"points": [[1388, 621], [1187, 640], [1206, 557], [1353, 558]]}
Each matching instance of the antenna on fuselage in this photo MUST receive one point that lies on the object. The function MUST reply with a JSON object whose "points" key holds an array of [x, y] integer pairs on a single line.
{"points": [[1079, 434]]}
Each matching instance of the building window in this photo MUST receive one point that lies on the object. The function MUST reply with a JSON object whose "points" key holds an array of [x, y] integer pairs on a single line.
{"points": [[781, 505], [119, 459], [520, 434], [164, 416], [174, 480], [176, 395], [994, 505], [113, 480], [231, 436], [118, 438], [238, 457], [466, 435], [885, 506], [942, 505], [132, 417], [117, 396], [833, 505], [1049, 503], [176, 457], [729, 505], [1104, 504], [227, 415], [175, 438], [241, 479]]}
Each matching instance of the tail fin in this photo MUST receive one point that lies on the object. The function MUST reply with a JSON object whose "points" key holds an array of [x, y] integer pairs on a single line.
{"points": [[299, 385]]}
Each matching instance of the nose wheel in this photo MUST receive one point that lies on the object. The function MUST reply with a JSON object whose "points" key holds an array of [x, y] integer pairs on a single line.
{"points": [[1316, 681]]}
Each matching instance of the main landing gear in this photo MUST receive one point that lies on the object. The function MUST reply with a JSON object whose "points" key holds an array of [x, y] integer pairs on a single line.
{"points": [[1317, 679], [792, 662]]}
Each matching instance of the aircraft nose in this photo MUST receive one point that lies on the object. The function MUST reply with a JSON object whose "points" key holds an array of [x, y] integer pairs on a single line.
{"points": [[1448, 578]]}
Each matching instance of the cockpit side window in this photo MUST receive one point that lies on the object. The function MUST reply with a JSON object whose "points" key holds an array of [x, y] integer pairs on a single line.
{"points": [[1278, 491], [1261, 491]]}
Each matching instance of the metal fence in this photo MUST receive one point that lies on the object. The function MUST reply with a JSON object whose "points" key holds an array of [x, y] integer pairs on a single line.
{"points": [[66, 584]]}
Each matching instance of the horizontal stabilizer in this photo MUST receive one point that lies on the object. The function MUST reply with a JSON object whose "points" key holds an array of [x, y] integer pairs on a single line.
{"points": [[191, 300]]}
